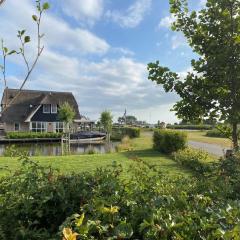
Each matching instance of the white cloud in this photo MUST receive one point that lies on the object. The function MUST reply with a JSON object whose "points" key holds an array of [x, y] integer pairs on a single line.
{"points": [[109, 83], [59, 34], [167, 21], [123, 51], [133, 16], [178, 41], [87, 11], [203, 3], [113, 84]]}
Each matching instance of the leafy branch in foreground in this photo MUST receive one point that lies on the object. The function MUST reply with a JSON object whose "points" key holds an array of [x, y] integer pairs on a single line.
{"points": [[212, 89], [25, 39]]}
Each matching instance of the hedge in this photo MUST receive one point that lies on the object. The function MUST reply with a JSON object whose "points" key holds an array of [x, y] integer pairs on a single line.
{"points": [[39, 203], [194, 159], [119, 133], [190, 127], [27, 135], [168, 141]]}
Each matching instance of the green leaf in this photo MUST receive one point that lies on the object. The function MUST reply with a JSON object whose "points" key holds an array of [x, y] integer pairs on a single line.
{"points": [[27, 39], [35, 18], [124, 230], [79, 221], [5, 50], [22, 32], [11, 52], [46, 6]]}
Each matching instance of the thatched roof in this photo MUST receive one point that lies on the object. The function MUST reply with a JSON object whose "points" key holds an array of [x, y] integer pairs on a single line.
{"points": [[28, 101]]}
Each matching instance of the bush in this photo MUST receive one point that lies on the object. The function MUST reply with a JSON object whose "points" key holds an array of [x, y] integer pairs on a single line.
{"points": [[168, 141], [28, 135], [125, 144], [119, 133], [35, 200], [196, 160], [38, 203], [225, 133], [190, 127], [229, 176]]}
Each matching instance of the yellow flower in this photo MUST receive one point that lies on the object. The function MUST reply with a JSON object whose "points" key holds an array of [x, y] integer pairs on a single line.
{"points": [[68, 234]]}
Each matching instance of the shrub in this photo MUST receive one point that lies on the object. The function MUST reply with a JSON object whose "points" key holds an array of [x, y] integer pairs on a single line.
{"points": [[125, 144], [225, 133], [119, 133], [35, 200], [38, 203], [168, 141], [190, 127], [229, 176], [27, 135], [196, 160]]}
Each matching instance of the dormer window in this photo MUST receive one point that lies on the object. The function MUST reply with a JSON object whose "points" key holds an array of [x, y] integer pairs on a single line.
{"points": [[46, 108], [53, 108]]}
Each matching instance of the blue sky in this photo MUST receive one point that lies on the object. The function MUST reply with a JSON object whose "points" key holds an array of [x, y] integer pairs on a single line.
{"points": [[99, 50]]}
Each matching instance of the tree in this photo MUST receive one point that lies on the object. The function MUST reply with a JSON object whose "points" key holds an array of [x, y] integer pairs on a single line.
{"points": [[24, 39], [212, 89], [106, 121], [66, 114], [129, 120]]}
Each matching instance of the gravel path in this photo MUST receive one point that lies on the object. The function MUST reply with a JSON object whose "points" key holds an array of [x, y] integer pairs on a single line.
{"points": [[210, 148]]}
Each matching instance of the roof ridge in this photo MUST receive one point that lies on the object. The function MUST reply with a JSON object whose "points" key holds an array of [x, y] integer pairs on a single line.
{"points": [[33, 90]]}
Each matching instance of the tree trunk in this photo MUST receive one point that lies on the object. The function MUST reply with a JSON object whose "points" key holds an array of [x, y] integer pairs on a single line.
{"points": [[235, 137]]}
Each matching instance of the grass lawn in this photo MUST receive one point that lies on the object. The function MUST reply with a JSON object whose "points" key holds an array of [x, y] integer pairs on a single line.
{"points": [[200, 136], [142, 148]]}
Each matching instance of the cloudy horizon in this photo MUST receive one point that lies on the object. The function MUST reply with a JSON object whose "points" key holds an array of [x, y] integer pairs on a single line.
{"points": [[99, 50]]}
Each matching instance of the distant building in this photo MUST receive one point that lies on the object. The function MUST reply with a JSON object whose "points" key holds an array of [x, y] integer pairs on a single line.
{"points": [[36, 111]]}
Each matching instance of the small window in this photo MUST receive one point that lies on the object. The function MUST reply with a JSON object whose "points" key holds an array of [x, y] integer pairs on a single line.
{"points": [[39, 127], [46, 108], [17, 127], [59, 127], [53, 108]]}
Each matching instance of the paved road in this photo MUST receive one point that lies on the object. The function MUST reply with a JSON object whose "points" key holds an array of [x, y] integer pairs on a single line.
{"points": [[210, 148]]}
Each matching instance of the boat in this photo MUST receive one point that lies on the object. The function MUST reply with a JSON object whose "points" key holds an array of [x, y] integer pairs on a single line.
{"points": [[87, 137]]}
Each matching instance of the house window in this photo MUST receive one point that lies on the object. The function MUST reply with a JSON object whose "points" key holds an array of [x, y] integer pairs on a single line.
{"points": [[46, 108], [59, 127], [53, 108], [17, 127], [38, 126]]}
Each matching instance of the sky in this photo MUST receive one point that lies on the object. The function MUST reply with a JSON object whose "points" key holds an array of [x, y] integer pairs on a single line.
{"points": [[99, 50]]}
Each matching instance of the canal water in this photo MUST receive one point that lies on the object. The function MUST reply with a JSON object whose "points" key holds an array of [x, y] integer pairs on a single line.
{"points": [[54, 149]]}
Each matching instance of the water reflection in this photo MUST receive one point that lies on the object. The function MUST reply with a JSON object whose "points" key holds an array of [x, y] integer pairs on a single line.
{"points": [[54, 149]]}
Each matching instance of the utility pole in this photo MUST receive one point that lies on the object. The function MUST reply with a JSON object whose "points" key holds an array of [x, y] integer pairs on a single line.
{"points": [[125, 116]]}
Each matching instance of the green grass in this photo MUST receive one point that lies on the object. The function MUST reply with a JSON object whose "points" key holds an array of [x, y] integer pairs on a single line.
{"points": [[142, 148], [200, 136]]}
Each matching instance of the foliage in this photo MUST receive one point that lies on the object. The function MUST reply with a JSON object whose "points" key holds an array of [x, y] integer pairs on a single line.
{"points": [[229, 176], [38, 203], [29, 135], [221, 131], [106, 121], [168, 141], [128, 120], [212, 88], [66, 113], [196, 160], [24, 40], [121, 132], [35, 200], [190, 127], [125, 144]]}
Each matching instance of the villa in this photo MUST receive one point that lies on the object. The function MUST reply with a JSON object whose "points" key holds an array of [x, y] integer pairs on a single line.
{"points": [[37, 111]]}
